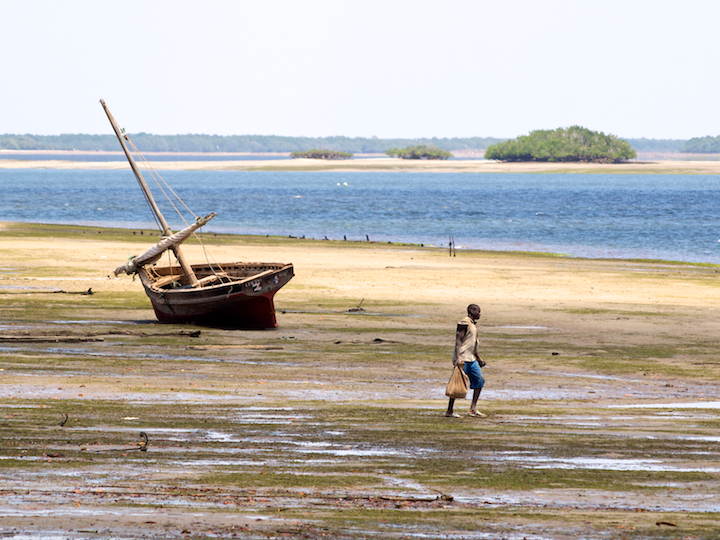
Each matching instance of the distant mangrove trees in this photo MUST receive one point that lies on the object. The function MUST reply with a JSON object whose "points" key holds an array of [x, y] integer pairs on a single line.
{"points": [[563, 144], [147, 142], [419, 151], [702, 145], [321, 153]]}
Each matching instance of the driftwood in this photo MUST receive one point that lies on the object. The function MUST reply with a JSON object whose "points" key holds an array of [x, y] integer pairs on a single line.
{"points": [[59, 291], [373, 341], [47, 339], [441, 497], [141, 446], [254, 347], [389, 498], [76, 337]]}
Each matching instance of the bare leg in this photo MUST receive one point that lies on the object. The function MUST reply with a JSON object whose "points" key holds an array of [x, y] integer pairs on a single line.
{"points": [[451, 404], [473, 404]]}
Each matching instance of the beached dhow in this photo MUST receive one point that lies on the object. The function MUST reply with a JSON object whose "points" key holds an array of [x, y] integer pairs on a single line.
{"points": [[229, 295]]}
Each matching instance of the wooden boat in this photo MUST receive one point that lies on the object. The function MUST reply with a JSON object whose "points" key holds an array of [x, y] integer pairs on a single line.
{"points": [[228, 295]]}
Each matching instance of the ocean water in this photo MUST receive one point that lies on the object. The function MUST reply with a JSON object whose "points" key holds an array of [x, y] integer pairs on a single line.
{"points": [[668, 217]]}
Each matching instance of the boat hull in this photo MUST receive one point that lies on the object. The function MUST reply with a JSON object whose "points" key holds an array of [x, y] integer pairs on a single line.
{"points": [[242, 298]]}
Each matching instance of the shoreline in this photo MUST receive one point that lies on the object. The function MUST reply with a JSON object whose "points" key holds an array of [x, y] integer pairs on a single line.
{"points": [[10, 229], [80, 246], [378, 164]]}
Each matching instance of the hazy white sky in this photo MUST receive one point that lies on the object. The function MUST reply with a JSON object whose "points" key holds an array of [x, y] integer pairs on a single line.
{"points": [[389, 68]]}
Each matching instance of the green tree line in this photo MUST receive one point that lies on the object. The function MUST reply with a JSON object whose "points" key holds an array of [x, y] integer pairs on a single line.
{"points": [[575, 143], [147, 142], [273, 143], [656, 145], [420, 151], [702, 145], [321, 153]]}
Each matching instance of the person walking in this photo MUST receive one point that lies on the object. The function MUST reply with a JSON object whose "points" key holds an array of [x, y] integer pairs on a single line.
{"points": [[466, 357]]}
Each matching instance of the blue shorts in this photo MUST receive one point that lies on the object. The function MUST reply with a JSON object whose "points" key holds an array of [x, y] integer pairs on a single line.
{"points": [[474, 373]]}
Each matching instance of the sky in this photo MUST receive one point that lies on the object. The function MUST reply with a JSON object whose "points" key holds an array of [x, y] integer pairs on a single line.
{"points": [[387, 68]]}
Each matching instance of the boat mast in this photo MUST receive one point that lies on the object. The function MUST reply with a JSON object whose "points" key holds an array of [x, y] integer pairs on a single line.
{"points": [[187, 269]]}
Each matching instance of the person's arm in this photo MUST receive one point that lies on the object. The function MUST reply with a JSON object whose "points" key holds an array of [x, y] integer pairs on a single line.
{"points": [[459, 336]]}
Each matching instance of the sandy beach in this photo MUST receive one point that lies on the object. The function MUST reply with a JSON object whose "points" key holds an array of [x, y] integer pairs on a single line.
{"points": [[601, 395], [387, 165]]}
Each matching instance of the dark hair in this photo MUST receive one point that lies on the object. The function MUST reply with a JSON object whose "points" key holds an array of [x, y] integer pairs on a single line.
{"points": [[473, 306]]}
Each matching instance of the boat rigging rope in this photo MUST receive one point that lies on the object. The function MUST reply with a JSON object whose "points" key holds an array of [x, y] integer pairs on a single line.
{"points": [[147, 200], [155, 175], [208, 256]]}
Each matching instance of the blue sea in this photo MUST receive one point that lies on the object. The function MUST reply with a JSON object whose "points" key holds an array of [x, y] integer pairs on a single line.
{"points": [[668, 217]]}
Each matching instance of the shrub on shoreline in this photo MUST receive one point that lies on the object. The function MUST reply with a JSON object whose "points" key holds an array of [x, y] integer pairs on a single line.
{"points": [[572, 144], [420, 151], [321, 153]]}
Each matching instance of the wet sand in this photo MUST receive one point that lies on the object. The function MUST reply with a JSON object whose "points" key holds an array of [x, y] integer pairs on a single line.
{"points": [[387, 165], [601, 397]]}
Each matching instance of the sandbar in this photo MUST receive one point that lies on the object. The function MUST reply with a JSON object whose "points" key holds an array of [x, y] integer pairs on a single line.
{"points": [[387, 165]]}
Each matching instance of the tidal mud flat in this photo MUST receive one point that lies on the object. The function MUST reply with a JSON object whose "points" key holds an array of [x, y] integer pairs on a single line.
{"points": [[602, 402]]}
